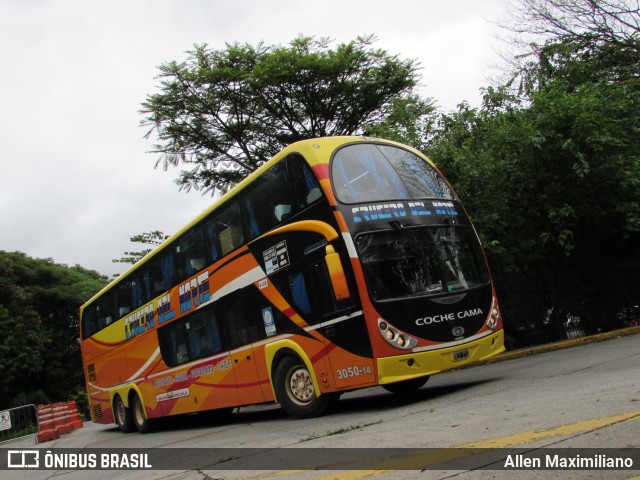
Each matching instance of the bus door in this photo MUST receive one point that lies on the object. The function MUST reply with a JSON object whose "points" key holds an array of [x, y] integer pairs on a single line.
{"points": [[242, 330], [321, 289]]}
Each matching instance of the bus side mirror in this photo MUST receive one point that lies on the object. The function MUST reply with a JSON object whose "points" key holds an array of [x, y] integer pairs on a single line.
{"points": [[336, 274]]}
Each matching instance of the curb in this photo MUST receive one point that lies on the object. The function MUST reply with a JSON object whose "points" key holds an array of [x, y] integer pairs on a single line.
{"points": [[550, 347]]}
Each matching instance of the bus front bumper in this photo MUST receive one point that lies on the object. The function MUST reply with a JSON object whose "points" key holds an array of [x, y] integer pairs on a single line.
{"points": [[418, 364]]}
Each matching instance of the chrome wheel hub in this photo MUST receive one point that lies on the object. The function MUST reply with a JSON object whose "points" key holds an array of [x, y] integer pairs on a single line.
{"points": [[301, 386]]}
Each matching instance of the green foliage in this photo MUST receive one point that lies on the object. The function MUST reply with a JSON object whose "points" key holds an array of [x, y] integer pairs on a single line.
{"points": [[409, 120], [154, 238], [551, 179], [222, 113], [39, 304]]}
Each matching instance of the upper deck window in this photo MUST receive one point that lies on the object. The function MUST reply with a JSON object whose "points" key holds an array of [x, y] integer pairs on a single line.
{"points": [[370, 172]]}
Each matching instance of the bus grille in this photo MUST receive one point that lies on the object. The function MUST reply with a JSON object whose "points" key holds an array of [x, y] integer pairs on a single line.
{"points": [[97, 413]]}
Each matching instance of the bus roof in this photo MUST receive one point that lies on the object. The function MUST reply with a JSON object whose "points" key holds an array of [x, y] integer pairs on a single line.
{"points": [[313, 150]]}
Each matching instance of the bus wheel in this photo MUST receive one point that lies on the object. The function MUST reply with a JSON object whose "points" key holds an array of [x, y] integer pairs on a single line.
{"points": [[142, 423], [406, 386], [295, 391], [124, 419]]}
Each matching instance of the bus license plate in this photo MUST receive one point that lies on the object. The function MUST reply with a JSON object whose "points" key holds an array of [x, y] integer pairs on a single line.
{"points": [[461, 355]]}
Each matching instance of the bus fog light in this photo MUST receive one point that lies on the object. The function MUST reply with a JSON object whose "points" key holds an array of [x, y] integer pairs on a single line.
{"points": [[395, 337]]}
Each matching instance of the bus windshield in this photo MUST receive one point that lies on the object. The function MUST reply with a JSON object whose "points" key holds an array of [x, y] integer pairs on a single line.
{"points": [[420, 261], [367, 172]]}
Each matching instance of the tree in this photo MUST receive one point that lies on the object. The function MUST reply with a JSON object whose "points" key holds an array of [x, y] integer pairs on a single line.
{"points": [[549, 167], [409, 120], [39, 305], [611, 22], [222, 113], [551, 178], [154, 238]]}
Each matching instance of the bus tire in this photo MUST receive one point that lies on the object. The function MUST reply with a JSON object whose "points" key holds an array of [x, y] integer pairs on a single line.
{"points": [[295, 391], [406, 387], [123, 416], [142, 423]]}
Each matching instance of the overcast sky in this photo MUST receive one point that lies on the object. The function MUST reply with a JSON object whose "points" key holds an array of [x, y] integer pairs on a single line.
{"points": [[76, 178]]}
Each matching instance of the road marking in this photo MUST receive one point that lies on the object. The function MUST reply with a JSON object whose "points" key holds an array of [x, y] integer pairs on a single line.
{"points": [[421, 459], [536, 435], [282, 473], [434, 456]]}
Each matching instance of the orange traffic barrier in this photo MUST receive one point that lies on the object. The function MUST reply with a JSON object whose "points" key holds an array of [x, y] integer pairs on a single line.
{"points": [[47, 430], [61, 419], [74, 417]]}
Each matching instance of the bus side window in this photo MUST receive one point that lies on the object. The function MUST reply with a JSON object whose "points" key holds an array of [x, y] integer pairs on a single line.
{"points": [[179, 350], [146, 284], [190, 253], [124, 298], [173, 344], [299, 292], [267, 201], [181, 353], [155, 277], [89, 320], [139, 292], [105, 308], [229, 227], [211, 240], [213, 337], [306, 188], [162, 273], [204, 335], [241, 328]]}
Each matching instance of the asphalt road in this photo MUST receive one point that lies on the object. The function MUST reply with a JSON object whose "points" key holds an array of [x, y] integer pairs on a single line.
{"points": [[587, 396]]}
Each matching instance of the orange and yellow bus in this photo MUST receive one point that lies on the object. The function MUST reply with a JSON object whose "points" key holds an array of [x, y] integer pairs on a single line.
{"points": [[341, 263]]}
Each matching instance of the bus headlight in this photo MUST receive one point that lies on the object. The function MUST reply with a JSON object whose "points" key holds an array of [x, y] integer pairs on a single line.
{"points": [[494, 315], [395, 337]]}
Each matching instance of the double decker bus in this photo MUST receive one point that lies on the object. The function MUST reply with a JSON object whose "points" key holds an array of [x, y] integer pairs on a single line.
{"points": [[341, 263]]}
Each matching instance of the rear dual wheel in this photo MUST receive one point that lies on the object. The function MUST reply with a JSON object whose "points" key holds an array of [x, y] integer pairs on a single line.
{"points": [[123, 416], [131, 418], [143, 424]]}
